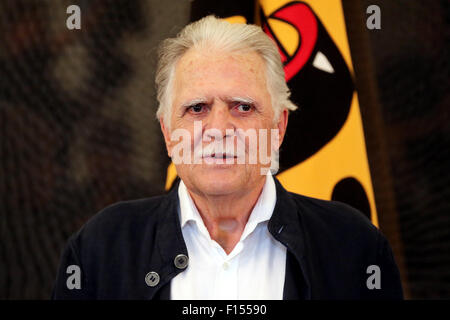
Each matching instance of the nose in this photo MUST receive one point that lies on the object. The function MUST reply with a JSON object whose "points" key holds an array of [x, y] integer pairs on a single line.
{"points": [[220, 120]]}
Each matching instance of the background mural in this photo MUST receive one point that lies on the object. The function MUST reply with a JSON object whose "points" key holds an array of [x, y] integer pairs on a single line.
{"points": [[78, 129]]}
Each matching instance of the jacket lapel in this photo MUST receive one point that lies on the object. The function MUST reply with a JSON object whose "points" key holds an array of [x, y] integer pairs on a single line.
{"points": [[285, 226]]}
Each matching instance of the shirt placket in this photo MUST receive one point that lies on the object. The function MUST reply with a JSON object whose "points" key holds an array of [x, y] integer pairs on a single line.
{"points": [[226, 284]]}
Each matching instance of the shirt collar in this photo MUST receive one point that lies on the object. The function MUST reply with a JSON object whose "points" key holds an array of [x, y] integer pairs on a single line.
{"points": [[188, 210], [261, 212]]}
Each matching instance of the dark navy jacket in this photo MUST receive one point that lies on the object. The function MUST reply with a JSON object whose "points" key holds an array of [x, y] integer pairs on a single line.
{"points": [[329, 248]]}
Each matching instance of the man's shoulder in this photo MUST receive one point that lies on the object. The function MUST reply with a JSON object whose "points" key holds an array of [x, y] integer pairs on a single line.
{"points": [[340, 243], [125, 219], [130, 209]]}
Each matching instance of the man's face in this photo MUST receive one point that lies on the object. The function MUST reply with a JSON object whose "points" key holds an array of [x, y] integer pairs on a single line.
{"points": [[224, 92]]}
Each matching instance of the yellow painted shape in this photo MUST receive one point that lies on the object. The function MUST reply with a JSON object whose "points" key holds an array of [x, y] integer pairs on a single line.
{"points": [[286, 34], [236, 19], [344, 156], [171, 175], [331, 14]]}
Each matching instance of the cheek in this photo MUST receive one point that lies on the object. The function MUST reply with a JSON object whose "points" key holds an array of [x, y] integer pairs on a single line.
{"points": [[176, 120]]}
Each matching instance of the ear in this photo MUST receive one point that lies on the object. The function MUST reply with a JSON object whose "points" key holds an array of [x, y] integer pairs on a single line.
{"points": [[282, 125], [166, 135]]}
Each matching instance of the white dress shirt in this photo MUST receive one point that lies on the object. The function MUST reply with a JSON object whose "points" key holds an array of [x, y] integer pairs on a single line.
{"points": [[255, 269]]}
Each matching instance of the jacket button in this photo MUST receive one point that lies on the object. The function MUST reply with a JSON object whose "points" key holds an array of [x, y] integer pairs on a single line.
{"points": [[152, 279], [181, 261]]}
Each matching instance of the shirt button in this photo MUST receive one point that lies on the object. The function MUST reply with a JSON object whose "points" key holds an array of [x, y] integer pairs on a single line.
{"points": [[181, 261], [225, 265], [152, 279]]}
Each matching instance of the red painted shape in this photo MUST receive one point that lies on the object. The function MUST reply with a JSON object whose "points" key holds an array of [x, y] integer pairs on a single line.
{"points": [[301, 17]]}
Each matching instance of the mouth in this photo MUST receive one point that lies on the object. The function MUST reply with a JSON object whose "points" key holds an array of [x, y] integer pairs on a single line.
{"points": [[224, 159], [219, 156]]}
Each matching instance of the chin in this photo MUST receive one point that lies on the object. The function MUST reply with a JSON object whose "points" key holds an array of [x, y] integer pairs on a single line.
{"points": [[219, 180]]}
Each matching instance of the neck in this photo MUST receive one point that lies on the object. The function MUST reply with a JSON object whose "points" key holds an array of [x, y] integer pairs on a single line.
{"points": [[225, 216]]}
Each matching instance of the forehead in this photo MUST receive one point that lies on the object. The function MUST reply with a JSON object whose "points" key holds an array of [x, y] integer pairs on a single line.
{"points": [[216, 72]]}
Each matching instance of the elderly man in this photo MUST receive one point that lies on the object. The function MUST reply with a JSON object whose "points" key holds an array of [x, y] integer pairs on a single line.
{"points": [[228, 230]]}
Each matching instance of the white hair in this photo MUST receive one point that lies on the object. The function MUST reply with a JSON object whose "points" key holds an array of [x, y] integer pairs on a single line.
{"points": [[236, 37]]}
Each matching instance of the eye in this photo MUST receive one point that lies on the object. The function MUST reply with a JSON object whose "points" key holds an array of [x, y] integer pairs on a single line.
{"points": [[196, 108], [243, 107]]}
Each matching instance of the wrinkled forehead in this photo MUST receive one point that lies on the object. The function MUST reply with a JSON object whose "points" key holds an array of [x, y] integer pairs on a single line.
{"points": [[224, 69]]}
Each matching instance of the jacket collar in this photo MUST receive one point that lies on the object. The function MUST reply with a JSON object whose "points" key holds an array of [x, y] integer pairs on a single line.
{"points": [[169, 242], [285, 225]]}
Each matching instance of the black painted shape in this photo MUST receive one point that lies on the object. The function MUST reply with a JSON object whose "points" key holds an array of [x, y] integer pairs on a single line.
{"points": [[351, 192], [223, 9]]}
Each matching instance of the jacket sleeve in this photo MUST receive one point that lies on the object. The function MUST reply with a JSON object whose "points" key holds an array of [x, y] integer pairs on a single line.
{"points": [[71, 281], [389, 287]]}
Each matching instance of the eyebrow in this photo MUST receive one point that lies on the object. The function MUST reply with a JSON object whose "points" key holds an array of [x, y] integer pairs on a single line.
{"points": [[192, 102], [227, 99], [241, 99]]}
